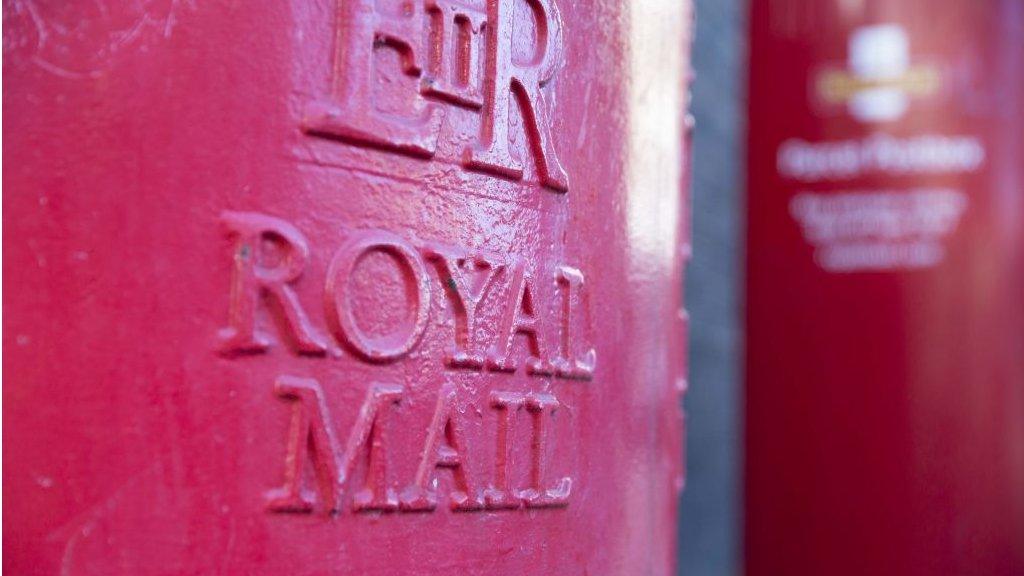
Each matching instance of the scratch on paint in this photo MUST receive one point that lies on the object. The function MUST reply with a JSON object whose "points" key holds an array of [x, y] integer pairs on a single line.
{"points": [[82, 49]]}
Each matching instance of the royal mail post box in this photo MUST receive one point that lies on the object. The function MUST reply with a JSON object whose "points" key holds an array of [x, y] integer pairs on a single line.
{"points": [[343, 286], [885, 325]]}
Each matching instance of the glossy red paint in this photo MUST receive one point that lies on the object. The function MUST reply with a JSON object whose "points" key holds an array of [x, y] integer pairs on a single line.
{"points": [[885, 353], [343, 287]]}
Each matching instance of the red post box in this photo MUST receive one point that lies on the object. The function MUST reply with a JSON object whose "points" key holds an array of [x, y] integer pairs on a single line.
{"points": [[343, 287], [885, 353]]}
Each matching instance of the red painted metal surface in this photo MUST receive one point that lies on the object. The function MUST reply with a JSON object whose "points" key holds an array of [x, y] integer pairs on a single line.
{"points": [[343, 287], [885, 355]]}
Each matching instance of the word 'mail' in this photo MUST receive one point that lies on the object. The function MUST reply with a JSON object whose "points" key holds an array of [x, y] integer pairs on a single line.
{"points": [[270, 255], [311, 435]]}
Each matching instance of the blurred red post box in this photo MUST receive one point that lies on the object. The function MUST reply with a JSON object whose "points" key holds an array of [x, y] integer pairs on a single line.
{"points": [[885, 353]]}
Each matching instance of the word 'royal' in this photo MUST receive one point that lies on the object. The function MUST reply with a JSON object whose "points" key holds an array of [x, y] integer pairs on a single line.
{"points": [[465, 278]]}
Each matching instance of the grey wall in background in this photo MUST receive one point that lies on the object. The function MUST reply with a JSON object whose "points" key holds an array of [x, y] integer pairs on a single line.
{"points": [[711, 508]]}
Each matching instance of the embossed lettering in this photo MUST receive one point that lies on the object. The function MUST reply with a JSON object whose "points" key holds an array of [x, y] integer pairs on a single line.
{"points": [[504, 78], [310, 442], [454, 70], [385, 325], [370, 430], [537, 495], [567, 365], [310, 431], [340, 313], [445, 448], [466, 290], [451, 68], [351, 114], [520, 318], [498, 496], [269, 254]]}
